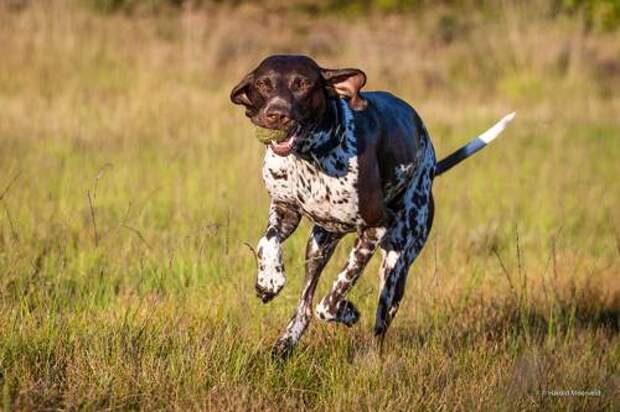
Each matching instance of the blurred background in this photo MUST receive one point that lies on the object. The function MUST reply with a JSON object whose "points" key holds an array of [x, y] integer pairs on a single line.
{"points": [[129, 182]]}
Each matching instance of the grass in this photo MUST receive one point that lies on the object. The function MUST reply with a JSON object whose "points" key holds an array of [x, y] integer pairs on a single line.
{"points": [[128, 184]]}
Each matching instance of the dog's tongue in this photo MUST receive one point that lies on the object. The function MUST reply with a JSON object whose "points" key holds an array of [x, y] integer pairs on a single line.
{"points": [[284, 147]]}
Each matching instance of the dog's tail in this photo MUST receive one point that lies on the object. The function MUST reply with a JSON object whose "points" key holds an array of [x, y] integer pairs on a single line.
{"points": [[473, 146]]}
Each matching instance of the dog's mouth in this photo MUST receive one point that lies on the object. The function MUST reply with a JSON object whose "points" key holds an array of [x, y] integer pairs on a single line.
{"points": [[285, 147], [283, 142]]}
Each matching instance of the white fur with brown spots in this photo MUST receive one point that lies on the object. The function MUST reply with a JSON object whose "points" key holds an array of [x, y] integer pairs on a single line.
{"points": [[366, 164]]}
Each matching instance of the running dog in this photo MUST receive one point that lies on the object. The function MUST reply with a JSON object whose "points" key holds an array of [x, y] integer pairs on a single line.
{"points": [[349, 162]]}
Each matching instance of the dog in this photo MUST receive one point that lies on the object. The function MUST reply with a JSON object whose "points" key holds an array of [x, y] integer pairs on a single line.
{"points": [[350, 161]]}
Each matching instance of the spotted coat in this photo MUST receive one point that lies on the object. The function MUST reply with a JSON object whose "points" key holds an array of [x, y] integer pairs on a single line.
{"points": [[324, 189]]}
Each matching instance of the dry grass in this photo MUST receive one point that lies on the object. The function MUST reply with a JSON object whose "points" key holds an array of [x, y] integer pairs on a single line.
{"points": [[125, 122]]}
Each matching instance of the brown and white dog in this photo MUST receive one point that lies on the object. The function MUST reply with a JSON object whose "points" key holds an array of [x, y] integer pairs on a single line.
{"points": [[350, 162]]}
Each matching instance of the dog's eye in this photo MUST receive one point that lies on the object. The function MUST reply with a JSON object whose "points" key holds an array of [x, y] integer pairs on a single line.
{"points": [[301, 83], [263, 84]]}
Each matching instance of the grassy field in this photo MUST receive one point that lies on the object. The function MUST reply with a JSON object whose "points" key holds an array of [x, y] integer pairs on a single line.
{"points": [[128, 184]]}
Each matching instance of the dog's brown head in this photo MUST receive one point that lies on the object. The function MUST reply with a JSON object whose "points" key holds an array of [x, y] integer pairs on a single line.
{"points": [[290, 93]]}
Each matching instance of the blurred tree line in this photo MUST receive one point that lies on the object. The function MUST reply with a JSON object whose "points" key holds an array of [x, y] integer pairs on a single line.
{"points": [[597, 14]]}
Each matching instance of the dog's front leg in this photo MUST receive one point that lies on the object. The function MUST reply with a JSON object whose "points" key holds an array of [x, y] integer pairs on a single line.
{"points": [[334, 306], [320, 248], [283, 220]]}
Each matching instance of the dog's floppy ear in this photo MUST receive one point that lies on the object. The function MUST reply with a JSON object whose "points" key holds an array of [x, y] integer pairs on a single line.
{"points": [[347, 83], [240, 93]]}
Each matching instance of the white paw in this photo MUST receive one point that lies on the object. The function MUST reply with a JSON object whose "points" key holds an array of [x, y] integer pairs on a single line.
{"points": [[271, 277]]}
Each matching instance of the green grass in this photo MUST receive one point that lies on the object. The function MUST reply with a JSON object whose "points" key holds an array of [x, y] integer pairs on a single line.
{"points": [[516, 293]]}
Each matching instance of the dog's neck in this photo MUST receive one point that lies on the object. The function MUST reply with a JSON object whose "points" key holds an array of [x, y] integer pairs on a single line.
{"points": [[329, 132]]}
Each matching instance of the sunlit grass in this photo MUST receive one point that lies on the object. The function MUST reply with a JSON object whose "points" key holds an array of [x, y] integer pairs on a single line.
{"points": [[516, 293]]}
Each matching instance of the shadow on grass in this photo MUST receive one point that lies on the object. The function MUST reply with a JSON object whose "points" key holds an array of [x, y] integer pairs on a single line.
{"points": [[505, 320]]}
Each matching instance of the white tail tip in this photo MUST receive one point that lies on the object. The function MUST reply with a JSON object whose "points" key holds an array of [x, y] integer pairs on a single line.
{"points": [[497, 128]]}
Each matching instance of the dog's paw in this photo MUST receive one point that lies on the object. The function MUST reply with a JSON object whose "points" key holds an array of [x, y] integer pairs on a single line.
{"points": [[345, 312], [269, 284], [266, 294], [271, 276], [380, 328], [283, 348]]}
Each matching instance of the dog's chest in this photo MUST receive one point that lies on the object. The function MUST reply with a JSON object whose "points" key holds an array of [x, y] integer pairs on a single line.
{"points": [[324, 190]]}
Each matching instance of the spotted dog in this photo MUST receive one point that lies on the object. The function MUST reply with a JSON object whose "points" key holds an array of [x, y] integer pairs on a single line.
{"points": [[350, 162]]}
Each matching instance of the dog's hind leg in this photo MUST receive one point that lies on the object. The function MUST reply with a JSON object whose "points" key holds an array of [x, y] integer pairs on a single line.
{"points": [[320, 248], [283, 221], [334, 307], [400, 246]]}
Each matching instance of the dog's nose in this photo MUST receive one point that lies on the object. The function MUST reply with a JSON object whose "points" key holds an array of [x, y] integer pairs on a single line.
{"points": [[276, 117]]}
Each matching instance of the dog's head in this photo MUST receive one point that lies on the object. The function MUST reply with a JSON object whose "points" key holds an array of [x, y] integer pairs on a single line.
{"points": [[290, 93]]}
